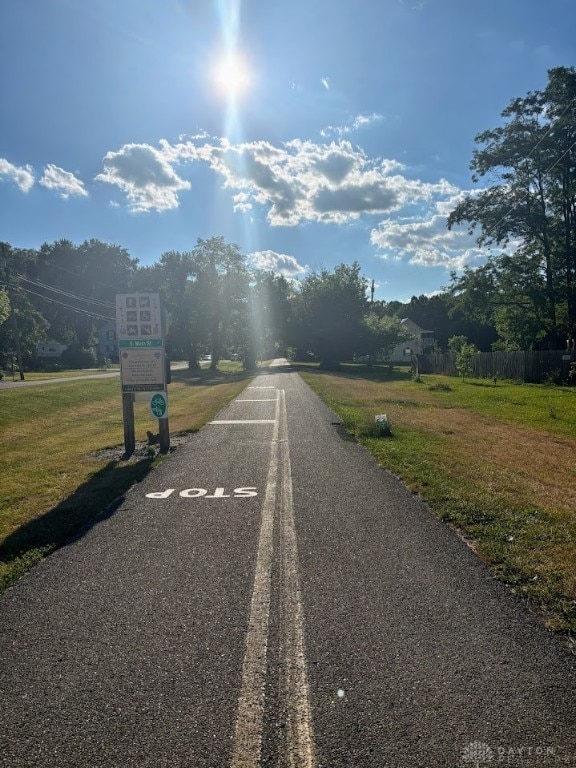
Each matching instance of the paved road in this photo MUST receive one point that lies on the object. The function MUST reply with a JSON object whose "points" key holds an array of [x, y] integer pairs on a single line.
{"points": [[270, 597], [18, 384], [7, 383]]}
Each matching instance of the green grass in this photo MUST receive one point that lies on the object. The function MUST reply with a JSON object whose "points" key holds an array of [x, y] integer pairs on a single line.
{"points": [[494, 461], [55, 476], [46, 375]]}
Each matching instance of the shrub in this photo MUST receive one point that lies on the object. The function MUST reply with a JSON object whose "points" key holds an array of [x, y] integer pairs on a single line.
{"points": [[78, 357]]}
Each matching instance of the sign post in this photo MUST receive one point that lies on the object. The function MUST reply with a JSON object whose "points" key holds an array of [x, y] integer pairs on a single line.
{"points": [[142, 361]]}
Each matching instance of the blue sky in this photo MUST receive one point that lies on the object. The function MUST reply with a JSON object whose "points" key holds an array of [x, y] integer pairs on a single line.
{"points": [[342, 131]]}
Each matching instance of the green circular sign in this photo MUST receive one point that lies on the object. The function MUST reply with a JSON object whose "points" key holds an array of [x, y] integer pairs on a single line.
{"points": [[158, 405]]}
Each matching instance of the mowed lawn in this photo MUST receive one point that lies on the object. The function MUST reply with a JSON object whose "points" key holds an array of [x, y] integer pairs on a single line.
{"points": [[497, 460], [55, 474]]}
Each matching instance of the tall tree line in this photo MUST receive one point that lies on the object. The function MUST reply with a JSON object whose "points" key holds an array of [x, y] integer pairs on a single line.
{"points": [[528, 290], [214, 304]]}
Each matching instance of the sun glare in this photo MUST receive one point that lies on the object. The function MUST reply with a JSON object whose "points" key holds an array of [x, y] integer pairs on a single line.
{"points": [[232, 75]]}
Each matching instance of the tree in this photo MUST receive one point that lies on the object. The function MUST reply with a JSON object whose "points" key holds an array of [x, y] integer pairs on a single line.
{"points": [[271, 313], [222, 295], [174, 278], [19, 314], [75, 286], [464, 351], [205, 295], [330, 307], [4, 306], [533, 158], [382, 334]]}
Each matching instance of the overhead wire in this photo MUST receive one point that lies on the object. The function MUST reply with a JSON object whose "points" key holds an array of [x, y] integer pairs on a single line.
{"points": [[68, 306], [75, 274], [69, 294]]}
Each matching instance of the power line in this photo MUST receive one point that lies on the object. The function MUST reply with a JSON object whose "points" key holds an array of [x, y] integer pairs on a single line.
{"points": [[68, 306], [69, 294], [550, 127], [80, 277]]}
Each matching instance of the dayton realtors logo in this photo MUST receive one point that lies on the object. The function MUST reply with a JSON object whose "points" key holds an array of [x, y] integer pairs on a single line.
{"points": [[479, 754]]}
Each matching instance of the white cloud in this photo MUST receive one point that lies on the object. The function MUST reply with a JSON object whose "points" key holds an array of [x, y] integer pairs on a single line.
{"points": [[326, 83], [22, 176], [427, 242], [241, 202], [298, 182], [355, 124], [145, 175], [64, 181], [301, 181], [279, 263]]}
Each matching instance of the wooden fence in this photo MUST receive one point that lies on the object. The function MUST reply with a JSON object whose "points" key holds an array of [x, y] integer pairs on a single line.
{"points": [[532, 366]]}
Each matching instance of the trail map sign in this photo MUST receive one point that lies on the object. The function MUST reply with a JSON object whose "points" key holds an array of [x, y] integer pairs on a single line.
{"points": [[138, 317], [142, 361], [140, 342]]}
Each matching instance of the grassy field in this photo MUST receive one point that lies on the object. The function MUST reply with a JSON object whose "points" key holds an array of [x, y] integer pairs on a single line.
{"points": [[495, 460], [55, 473], [45, 375]]}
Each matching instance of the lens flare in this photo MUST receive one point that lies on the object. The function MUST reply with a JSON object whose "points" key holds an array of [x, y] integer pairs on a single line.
{"points": [[232, 75]]}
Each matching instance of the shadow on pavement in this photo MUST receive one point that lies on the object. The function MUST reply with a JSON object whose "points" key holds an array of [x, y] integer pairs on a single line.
{"points": [[93, 501]]}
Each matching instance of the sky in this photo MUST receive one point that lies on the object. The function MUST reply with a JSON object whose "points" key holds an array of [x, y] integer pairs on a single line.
{"points": [[309, 132]]}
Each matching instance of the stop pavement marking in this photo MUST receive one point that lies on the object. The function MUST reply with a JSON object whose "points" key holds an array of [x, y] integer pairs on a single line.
{"points": [[195, 493]]}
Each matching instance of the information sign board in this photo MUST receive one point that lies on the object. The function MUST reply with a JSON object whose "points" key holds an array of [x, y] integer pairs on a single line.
{"points": [[138, 316], [142, 370], [140, 342]]}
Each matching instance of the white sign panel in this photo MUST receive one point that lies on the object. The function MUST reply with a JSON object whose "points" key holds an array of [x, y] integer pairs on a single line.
{"points": [[142, 369], [138, 316]]}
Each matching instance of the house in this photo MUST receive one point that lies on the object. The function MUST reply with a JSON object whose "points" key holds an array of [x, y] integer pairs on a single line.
{"points": [[50, 349], [107, 347], [420, 342]]}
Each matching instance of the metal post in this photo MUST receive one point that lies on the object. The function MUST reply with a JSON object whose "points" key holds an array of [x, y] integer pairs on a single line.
{"points": [[129, 429], [164, 435]]}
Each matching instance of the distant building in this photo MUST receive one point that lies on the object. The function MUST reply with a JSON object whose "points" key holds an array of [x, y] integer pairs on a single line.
{"points": [[51, 349], [107, 342], [420, 342]]}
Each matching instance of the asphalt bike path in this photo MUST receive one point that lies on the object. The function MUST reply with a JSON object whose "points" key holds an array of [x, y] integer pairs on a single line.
{"points": [[269, 596]]}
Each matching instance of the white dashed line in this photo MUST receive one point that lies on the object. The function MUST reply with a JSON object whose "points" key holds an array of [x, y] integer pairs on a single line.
{"points": [[244, 421]]}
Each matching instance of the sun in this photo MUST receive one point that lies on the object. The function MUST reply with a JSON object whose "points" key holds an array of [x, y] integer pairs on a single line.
{"points": [[232, 75]]}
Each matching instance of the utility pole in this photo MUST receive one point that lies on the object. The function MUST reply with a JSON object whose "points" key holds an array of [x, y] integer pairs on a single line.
{"points": [[372, 293], [4, 264]]}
